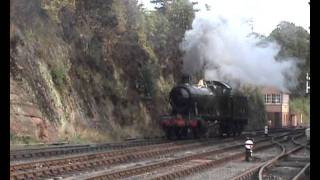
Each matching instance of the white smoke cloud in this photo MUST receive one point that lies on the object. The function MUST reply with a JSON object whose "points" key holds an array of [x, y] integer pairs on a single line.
{"points": [[226, 51]]}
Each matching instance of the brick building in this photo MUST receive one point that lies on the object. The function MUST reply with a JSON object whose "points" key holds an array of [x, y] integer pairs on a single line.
{"points": [[277, 107]]}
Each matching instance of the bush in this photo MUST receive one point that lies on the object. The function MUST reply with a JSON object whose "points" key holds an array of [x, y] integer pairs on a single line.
{"points": [[58, 74], [301, 105], [15, 139], [149, 73]]}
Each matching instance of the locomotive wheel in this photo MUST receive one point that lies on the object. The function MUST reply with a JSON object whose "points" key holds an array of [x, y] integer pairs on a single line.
{"points": [[195, 133], [229, 134], [235, 133], [170, 133], [213, 130], [175, 133], [230, 131], [205, 131], [216, 130], [199, 132], [178, 132], [223, 130], [227, 131], [184, 132], [167, 131]]}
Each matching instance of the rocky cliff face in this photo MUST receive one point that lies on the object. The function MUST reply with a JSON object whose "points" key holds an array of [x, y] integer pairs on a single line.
{"points": [[83, 71]]}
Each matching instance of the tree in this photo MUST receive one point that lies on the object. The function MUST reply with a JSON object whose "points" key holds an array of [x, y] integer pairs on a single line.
{"points": [[179, 13], [295, 42], [166, 28]]}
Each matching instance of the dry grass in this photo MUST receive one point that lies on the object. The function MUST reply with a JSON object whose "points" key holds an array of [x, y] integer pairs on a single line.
{"points": [[81, 135]]}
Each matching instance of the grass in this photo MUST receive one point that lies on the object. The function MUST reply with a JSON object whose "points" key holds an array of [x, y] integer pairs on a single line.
{"points": [[59, 73], [75, 134], [24, 139]]}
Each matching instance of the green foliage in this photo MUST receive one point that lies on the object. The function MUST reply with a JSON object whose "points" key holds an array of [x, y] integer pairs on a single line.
{"points": [[14, 139], [157, 28], [301, 105], [295, 42], [159, 34], [135, 16], [144, 44], [54, 6], [120, 12], [168, 25], [180, 16], [102, 11], [95, 50], [120, 41], [59, 74], [148, 79]]}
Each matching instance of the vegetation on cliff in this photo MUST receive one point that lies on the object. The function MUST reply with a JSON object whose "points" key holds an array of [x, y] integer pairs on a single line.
{"points": [[92, 70]]}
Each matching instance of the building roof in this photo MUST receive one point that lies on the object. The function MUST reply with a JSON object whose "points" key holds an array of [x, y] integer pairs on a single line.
{"points": [[273, 89]]}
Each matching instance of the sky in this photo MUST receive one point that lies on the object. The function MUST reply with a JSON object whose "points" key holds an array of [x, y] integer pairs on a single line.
{"points": [[265, 14]]}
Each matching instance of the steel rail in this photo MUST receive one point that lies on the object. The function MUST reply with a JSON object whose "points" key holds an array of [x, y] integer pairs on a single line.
{"points": [[56, 150], [255, 170], [283, 154], [181, 173], [44, 167], [301, 173], [47, 168], [25, 154]]}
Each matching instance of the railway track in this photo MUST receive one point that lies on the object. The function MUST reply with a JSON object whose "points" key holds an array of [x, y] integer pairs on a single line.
{"points": [[32, 153], [46, 167], [56, 166], [189, 164], [286, 161], [95, 161], [54, 151], [261, 170]]}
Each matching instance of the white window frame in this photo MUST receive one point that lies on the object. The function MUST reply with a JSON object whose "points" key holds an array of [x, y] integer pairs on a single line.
{"points": [[268, 98], [278, 99]]}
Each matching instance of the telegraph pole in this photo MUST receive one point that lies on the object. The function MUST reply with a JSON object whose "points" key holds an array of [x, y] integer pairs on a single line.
{"points": [[308, 76], [308, 84]]}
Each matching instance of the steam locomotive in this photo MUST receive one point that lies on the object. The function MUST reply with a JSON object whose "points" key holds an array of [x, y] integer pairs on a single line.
{"points": [[205, 109]]}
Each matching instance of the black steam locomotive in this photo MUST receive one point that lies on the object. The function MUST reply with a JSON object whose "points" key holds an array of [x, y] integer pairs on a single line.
{"points": [[205, 110]]}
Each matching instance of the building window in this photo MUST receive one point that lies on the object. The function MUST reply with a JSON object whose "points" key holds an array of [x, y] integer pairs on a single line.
{"points": [[272, 98], [276, 98], [267, 98]]}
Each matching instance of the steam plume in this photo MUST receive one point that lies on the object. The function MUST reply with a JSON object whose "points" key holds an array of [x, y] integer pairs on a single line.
{"points": [[226, 52]]}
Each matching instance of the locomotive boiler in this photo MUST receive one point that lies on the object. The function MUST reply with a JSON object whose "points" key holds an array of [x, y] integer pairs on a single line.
{"points": [[204, 109]]}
